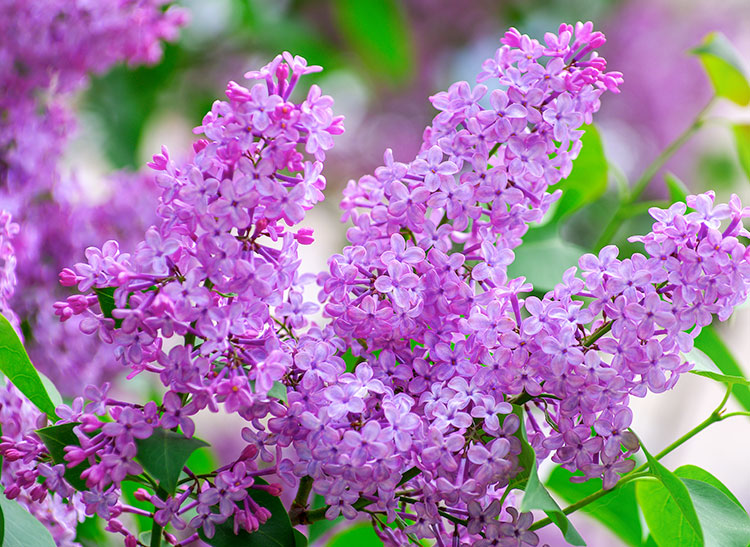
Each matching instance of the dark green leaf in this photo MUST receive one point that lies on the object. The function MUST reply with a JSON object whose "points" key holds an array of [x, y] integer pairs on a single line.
{"points": [[56, 438], [277, 531], [164, 454], [617, 510], [700, 474], [708, 341], [724, 67], [668, 508], [379, 33], [724, 523], [300, 540], [15, 364], [678, 191], [588, 179], [21, 529], [542, 263], [536, 496], [106, 297], [742, 140], [527, 458]]}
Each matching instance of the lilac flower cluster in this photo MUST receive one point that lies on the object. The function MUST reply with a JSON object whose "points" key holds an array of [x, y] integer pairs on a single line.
{"points": [[414, 402], [47, 50]]}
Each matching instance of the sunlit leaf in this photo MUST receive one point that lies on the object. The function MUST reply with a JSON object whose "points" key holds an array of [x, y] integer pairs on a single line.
{"points": [[742, 141], [678, 191], [724, 68], [698, 473]]}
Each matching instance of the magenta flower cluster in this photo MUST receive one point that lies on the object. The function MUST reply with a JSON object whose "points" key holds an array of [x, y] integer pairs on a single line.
{"points": [[433, 367]]}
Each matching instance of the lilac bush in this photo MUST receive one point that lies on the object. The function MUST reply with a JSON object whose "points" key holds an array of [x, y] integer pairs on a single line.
{"points": [[435, 382]]}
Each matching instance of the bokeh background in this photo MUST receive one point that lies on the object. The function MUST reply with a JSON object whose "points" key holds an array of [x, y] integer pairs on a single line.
{"points": [[382, 60]]}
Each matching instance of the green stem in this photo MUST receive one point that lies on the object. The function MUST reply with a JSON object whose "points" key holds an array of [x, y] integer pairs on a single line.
{"points": [[601, 331], [716, 416], [156, 530], [640, 185]]}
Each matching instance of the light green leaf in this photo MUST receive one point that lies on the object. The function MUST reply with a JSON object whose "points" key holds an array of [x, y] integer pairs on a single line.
{"points": [[527, 458], [742, 140], [543, 262], [724, 68], [700, 474], [361, 535], [17, 367], [277, 531], [164, 454], [724, 523], [709, 342], [21, 529], [51, 388], [668, 508], [588, 180], [618, 510], [678, 191], [379, 33], [321, 527], [56, 438], [536, 496], [278, 391]]}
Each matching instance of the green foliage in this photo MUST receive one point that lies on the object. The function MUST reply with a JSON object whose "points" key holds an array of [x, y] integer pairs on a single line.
{"points": [[56, 438], [277, 531], [588, 179], [668, 508], [543, 262], [700, 474], [300, 540], [164, 454], [742, 140], [527, 458], [361, 535], [708, 342], [320, 527], [379, 33], [536, 496], [724, 523], [20, 528], [106, 297], [678, 191], [17, 367], [618, 510], [724, 68]]}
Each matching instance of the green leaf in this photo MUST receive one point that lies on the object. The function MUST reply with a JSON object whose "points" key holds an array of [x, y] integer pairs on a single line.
{"points": [[668, 508], [742, 140], [106, 297], [379, 33], [704, 366], [51, 388], [361, 535], [164, 454], [724, 68], [724, 523], [587, 181], [91, 531], [128, 489], [708, 341], [527, 458], [536, 496], [17, 367], [617, 510], [700, 474], [678, 191], [278, 391], [300, 540], [277, 531], [542, 263], [320, 527], [56, 438], [21, 528]]}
